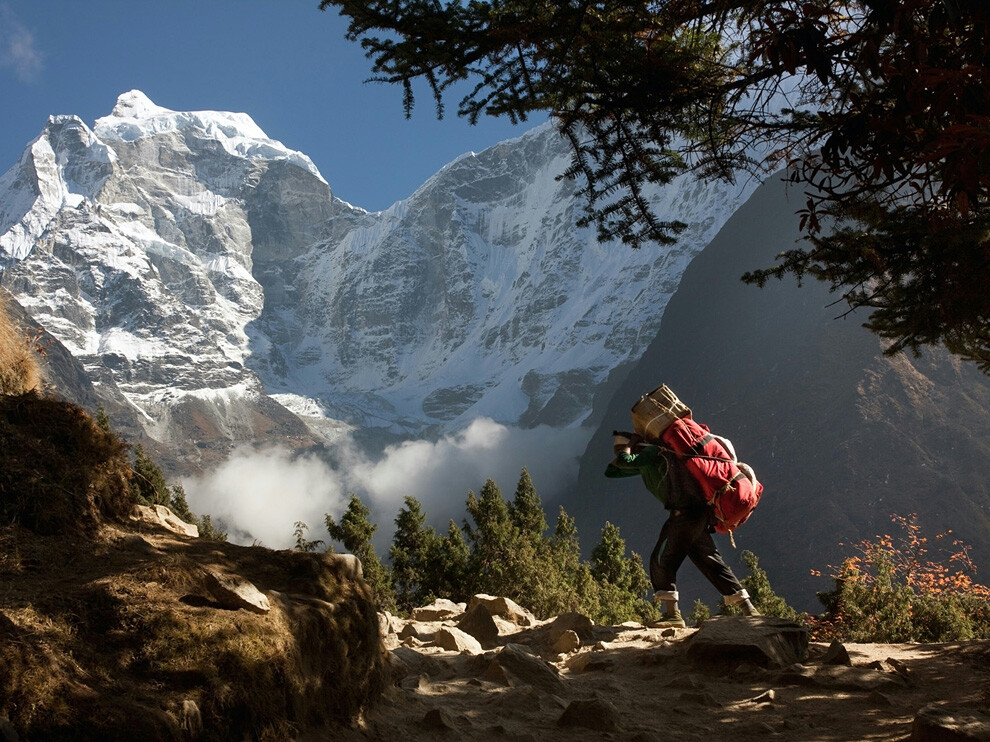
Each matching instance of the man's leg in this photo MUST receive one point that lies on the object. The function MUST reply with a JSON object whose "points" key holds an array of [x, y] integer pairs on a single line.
{"points": [[668, 555], [706, 557]]}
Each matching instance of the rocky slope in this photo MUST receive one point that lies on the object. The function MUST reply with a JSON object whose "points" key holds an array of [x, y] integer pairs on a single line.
{"points": [[516, 678]]}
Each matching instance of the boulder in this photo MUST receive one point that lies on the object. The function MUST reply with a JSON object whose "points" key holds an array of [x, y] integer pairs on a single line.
{"points": [[234, 592], [478, 623], [161, 516], [416, 663], [938, 723], [438, 610], [422, 631], [455, 640], [504, 607], [576, 622], [529, 669], [760, 640]]}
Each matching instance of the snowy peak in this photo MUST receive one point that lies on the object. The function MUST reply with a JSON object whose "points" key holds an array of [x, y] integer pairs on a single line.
{"points": [[136, 117]]}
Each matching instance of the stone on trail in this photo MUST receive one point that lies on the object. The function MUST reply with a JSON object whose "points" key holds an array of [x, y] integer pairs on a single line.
{"points": [[438, 610], [505, 608], [576, 622], [761, 640], [837, 654], [478, 623], [568, 642], [596, 714], [454, 640], [529, 669], [938, 723]]}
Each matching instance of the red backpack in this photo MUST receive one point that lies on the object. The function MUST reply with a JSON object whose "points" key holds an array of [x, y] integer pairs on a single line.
{"points": [[730, 486]]}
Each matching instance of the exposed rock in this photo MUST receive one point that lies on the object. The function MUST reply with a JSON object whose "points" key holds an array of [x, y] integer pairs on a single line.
{"points": [[478, 623], [576, 622], [761, 640], [840, 677], [159, 515], [837, 654], [596, 713], [938, 723], [417, 663], [529, 669], [232, 591], [438, 720], [192, 719], [425, 632], [438, 610], [454, 640], [769, 696], [567, 642], [701, 699], [505, 608]]}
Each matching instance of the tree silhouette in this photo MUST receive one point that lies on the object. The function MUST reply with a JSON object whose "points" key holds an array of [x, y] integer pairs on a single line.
{"points": [[880, 109]]}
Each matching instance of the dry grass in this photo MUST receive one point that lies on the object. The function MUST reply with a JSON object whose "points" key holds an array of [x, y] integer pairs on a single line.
{"points": [[20, 371], [59, 471], [116, 646]]}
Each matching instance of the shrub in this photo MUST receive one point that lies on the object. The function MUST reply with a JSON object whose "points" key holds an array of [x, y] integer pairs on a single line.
{"points": [[892, 590]]}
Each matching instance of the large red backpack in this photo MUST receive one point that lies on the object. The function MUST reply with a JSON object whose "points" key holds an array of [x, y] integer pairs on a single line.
{"points": [[730, 486]]}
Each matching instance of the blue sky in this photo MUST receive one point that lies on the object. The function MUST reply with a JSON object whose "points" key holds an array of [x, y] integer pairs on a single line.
{"points": [[283, 62]]}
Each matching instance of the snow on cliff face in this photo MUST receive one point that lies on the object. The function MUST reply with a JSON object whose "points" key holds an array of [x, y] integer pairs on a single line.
{"points": [[189, 255]]}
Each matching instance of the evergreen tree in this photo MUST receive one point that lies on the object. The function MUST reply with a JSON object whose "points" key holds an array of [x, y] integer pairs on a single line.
{"points": [[526, 510], [445, 574], [622, 582], [491, 541], [148, 484], [355, 532], [413, 547]]}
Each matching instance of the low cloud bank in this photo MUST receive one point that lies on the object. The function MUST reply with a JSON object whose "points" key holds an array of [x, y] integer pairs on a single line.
{"points": [[259, 496]]}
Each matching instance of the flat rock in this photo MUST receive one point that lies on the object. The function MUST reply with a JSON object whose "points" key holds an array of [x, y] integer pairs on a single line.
{"points": [[454, 640], [232, 591], [760, 640], [529, 669], [438, 610], [938, 723], [417, 663], [159, 515]]}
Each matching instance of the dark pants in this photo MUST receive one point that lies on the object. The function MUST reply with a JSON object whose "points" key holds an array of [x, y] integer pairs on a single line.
{"points": [[686, 534]]}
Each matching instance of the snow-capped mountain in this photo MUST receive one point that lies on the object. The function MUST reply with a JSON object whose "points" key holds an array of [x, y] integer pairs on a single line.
{"points": [[206, 270]]}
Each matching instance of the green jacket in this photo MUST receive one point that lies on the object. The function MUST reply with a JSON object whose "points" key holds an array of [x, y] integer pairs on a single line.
{"points": [[650, 464]]}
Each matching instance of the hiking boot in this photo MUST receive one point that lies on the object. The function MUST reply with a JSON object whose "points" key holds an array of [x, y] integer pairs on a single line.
{"points": [[748, 609], [669, 621]]}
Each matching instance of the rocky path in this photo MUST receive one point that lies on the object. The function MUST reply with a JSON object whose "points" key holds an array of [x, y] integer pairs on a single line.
{"points": [[733, 679]]}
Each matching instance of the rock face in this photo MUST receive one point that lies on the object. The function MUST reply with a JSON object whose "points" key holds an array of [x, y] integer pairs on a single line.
{"points": [[208, 272]]}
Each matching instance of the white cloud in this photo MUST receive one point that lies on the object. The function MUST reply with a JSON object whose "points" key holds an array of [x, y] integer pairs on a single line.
{"points": [[17, 47], [261, 495]]}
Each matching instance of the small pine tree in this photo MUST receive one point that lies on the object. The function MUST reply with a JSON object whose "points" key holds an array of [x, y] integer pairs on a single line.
{"points": [[302, 543], [526, 510], [148, 484], [211, 532], [413, 546], [355, 532]]}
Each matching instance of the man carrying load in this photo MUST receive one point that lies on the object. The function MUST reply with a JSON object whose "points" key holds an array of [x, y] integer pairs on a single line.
{"points": [[687, 531]]}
